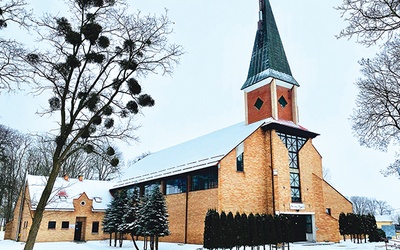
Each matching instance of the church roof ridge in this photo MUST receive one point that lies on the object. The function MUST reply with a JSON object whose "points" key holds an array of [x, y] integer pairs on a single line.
{"points": [[268, 58]]}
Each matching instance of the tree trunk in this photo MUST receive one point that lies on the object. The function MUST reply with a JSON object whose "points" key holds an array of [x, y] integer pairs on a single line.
{"points": [[134, 242], [121, 239], [152, 242], [156, 240], [37, 219], [110, 238], [115, 238]]}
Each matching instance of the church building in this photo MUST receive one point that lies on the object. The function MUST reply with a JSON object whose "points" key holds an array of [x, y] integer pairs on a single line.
{"points": [[266, 164]]}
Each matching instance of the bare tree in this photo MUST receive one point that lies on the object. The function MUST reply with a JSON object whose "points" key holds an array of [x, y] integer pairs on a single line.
{"points": [[13, 148], [362, 205], [11, 12], [93, 59], [376, 117], [326, 173], [383, 208], [370, 20]]}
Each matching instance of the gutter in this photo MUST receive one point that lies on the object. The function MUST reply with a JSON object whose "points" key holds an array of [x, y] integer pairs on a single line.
{"points": [[272, 172]]}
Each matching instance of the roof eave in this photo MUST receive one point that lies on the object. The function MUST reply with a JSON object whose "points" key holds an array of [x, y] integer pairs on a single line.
{"points": [[290, 130]]}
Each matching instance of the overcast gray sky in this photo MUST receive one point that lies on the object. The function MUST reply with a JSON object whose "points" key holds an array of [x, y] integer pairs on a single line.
{"points": [[203, 95]]}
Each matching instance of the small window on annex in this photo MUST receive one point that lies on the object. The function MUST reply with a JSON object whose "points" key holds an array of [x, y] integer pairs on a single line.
{"points": [[176, 185], [65, 225], [205, 179], [51, 225], [95, 227], [240, 158]]}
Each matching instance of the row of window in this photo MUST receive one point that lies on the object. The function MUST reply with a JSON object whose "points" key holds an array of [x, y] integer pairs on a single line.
{"points": [[65, 225], [202, 180]]}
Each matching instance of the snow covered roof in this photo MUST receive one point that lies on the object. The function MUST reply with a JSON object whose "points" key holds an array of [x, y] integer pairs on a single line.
{"points": [[199, 153], [384, 218], [65, 191]]}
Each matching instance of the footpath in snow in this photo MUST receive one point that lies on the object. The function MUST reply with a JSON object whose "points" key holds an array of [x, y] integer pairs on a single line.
{"points": [[99, 245]]}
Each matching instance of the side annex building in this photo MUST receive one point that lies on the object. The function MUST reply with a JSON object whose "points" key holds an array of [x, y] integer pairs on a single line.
{"points": [[266, 164]]}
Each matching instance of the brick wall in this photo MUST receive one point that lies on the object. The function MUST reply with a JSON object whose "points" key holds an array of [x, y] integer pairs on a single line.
{"points": [[253, 114], [176, 204], [284, 113], [199, 203], [246, 191], [58, 234]]}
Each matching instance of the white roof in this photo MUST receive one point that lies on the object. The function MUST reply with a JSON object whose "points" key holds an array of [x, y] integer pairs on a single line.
{"points": [[384, 218], [64, 192], [199, 153]]}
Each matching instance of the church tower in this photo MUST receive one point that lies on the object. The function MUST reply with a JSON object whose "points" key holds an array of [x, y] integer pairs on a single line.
{"points": [[270, 89]]}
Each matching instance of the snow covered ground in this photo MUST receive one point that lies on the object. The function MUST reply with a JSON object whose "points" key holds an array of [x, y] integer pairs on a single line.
{"points": [[99, 245]]}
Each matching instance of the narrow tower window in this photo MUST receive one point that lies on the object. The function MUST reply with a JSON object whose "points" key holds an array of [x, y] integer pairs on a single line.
{"points": [[258, 103]]}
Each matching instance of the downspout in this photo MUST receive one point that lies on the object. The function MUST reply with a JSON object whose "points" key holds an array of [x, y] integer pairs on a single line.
{"points": [[187, 207], [272, 172], [21, 209]]}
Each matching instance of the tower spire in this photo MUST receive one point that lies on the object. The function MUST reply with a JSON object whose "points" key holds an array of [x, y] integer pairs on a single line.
{"points": [[268, 57]]}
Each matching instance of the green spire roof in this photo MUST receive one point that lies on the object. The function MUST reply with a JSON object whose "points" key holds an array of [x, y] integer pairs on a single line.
{"points": [[268, 58]]}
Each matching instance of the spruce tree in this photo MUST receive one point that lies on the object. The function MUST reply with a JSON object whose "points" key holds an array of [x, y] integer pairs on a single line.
{"points": [[154, 217], [129, 220], [114, 214]]}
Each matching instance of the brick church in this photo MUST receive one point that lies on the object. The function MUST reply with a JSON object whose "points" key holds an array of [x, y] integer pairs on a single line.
{"points": [[266, 164]]}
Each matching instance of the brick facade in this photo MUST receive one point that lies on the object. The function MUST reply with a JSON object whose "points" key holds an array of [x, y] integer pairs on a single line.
{"points": [[82, 211]]}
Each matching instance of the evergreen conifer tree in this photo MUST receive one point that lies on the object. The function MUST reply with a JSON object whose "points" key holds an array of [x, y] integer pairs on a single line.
{"points": [[223, 231], [343, 225], [245, 230], [153, 217], [278, 229], [271, 236], [209, 229], [231, 232], [238, 230], [114, 213], [129, 220], [252, 230]]}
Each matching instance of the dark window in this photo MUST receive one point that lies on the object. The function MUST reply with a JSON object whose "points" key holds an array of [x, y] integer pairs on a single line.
{"points": [[293, 144], [95, 227], [25, 224], [149, 187], [258, 103], [205, 180], [295, 187], [65, 224], [240, 157], [328, 211], [177, 185], [282, 101], [51, 225], [239, 163], [309, 227]]}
